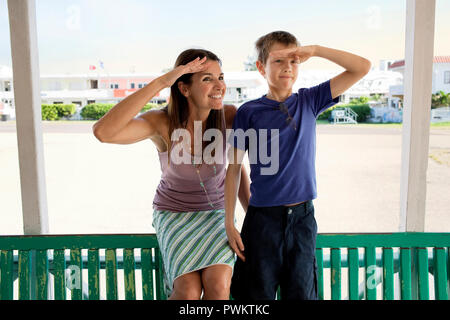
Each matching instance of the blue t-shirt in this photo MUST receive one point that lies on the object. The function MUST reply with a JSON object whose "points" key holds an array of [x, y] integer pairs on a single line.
{"points": [[293, 178]]}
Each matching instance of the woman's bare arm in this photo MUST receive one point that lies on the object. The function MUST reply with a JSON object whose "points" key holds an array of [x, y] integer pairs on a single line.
{"points": [[119, 124], [232, 181]]}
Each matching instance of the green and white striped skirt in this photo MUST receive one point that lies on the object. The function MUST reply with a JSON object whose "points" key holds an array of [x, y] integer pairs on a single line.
{"points": [[190, 241]]}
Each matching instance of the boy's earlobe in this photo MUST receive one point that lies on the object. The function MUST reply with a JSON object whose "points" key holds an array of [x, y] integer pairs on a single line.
{"points": [[260, 67]]}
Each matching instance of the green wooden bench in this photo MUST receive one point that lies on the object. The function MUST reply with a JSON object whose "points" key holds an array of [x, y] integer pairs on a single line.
{"points": [[129, 266]]}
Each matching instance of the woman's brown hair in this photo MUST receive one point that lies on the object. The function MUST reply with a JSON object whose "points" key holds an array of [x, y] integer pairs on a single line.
{"points": [[177, 109]]}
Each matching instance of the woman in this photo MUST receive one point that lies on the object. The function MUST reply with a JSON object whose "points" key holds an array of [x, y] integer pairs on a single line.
{"points": [[189, 204]]}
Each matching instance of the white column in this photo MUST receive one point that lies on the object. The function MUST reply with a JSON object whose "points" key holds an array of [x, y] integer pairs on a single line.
{"points": [[419, 42], [24, 49]]}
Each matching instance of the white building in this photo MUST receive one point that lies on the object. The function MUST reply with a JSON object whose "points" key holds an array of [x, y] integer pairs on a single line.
{"points": [[375, 82], [243, 86], [84, 89], [98, 87], [440, 78]]}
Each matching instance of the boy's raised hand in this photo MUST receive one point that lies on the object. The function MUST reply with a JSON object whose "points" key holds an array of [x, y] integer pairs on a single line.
{"points": [[300, 54]]}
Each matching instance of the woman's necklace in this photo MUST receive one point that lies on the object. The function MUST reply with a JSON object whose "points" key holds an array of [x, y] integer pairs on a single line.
{"points": [[202, 184], [197, 169]]}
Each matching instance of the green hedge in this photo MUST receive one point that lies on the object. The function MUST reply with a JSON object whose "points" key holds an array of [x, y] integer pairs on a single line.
{"points": [[326, 114], [362, 110], [149, 106], [57, 111], [95, 111], [49, 112], [66, 110]]}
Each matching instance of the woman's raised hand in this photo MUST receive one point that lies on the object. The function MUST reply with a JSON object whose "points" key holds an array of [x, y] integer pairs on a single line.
{"points": [[196, 65]]}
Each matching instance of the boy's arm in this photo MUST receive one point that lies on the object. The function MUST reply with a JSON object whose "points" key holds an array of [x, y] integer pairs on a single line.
{"points": [[232, 180], [356, 68], [244, 189], [244, 186]]}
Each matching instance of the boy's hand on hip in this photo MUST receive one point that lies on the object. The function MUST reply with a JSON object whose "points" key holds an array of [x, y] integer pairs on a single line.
{"points": [[300, 54], [235, 241]]}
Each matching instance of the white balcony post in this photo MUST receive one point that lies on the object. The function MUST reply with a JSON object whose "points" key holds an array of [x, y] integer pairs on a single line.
{"points": [[24, 52], [419, 42], [22, 21], [419, 45]]}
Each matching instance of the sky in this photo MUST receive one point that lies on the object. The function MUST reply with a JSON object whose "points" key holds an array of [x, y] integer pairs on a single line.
{"points": [[147, 36]]}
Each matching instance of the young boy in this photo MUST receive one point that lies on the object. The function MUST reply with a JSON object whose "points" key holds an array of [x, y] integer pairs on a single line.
{"points": [[277, 243]]}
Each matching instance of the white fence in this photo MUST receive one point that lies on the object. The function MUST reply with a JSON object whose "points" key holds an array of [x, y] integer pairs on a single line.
{"points": [[385, 115], [346, 115], [440, 114]]}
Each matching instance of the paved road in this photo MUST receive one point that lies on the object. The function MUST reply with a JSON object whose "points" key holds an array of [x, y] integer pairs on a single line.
{"points": [[102, 188], [54, 127], [86, 127]]}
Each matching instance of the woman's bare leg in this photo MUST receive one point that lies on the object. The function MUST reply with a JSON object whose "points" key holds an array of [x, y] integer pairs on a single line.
{"points": [[187, 287], [216, 281]]}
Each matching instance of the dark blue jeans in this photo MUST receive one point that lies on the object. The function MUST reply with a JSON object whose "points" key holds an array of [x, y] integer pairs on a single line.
{"points": [[280, 244]]}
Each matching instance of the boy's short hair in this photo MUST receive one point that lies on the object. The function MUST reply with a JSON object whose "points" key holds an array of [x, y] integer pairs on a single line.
{"points": [[264, 43]]}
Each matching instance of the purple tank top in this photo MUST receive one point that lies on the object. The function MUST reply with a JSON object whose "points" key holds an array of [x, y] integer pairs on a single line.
{"points": [[180, 190]]}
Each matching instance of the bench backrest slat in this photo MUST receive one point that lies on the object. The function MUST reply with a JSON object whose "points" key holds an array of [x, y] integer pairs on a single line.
{"points": [[405, 273], [77, 279], [353, 273], [440, 274], [6, 278], [94, 274], [370, 266], [111, 274], [147, 274], [319, 262], [59, 274], [422, 265], [388, 274], [41, 275], [335, 273], [159, 270], [24, 267], [129, 276]]}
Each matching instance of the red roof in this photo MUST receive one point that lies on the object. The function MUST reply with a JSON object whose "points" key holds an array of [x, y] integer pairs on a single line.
{"points": [[397, 64], [438, 59], [441, 59]]}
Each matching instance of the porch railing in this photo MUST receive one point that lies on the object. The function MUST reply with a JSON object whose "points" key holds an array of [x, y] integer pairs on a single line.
{"points": [[129, 266]]}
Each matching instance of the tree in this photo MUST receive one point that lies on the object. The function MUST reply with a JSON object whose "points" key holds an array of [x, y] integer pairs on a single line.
{"points": [[359, 100], [250, 64], [440, 99], [376, 97]]}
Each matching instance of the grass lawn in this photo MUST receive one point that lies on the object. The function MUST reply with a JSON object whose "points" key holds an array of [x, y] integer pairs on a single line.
{"points": [[438, 125], [444, 125]]}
